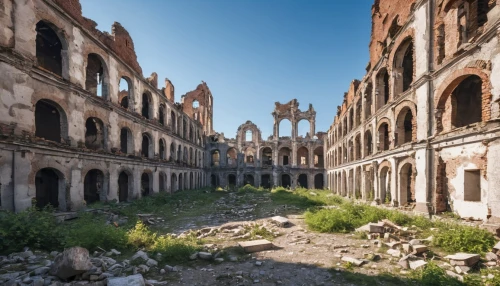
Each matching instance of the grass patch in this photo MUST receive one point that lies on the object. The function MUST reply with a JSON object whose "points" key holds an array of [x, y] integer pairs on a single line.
{"points": [[451, 237]]}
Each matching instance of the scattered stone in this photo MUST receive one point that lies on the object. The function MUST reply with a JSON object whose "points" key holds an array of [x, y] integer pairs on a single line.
{"points": [[415, 242], [258, 263], [219, 260], [140, 254], [406, 247], [419, 249], [462, 269], [71, 262], [454, 275], [417, 264], [463, 259], [280, 221], [394, 252], [490, 256], [354, 261], [133, 280], [115, 252], [205, 255], [151, 262], [372, 228], [496, 247], [193, 256], [255, 245], [393, 245]]}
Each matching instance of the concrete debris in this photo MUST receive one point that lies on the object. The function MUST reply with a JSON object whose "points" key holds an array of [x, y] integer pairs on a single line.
{"points": [[417, 264], [205, 255], [490, 256], [354, 261], [454, 275], [463, 259], [280, 221], [255, 245]]}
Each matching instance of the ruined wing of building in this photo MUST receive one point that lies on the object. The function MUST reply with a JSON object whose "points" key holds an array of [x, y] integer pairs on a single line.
{"points": [[79, 123], [287, 160], [421, 129]]}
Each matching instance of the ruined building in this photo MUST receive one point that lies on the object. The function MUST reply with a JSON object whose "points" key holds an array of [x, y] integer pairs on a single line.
{"points": [[80, 123], [287, 161], [421, 129]]}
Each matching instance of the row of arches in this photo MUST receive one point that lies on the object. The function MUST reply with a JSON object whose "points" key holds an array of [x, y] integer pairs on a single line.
{"points": [[403, 70], [302, 128], [51, 48], [266, 156], [362, 145], [266, 180], [49, 116], [50, 185], [369, 183]]}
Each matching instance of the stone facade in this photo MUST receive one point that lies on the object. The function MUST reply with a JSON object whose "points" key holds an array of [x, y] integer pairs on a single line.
{"points": [[78, 121], [421, 129], [287, 161]]}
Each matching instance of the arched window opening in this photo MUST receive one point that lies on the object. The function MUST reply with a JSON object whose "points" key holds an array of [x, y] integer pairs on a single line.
{"points": [[351, 151], [385, 185], [162, 149], [173, 183], [382, 91], [146, 150], [351, 119], [232, 157], [249, 156], [248, 136], [191, 133], [48, 48], [145, 184], [95, 80], [286, 181], [126, 141], [181, 182], [265, 181], [48, 123], [185, 155], [123, 186], [215, 158], [303, 128], [284, 156], [403, 67], [231, 180], [357, 148], [93, 185], [466, 102], [407, 185], [146, 102], [162, 182], [303, 156], [405, 127], [368, 143], [124, 93], [318, 182], [172, 152], [214, 181], [345, 126], [408, 68], [302, 181], [48, 185], [383, 133], [94, 134], [248, 180], [184, 129], [196, 104], [368, 100], [172, 121], [179, 154], [357, 117], [161, 115], [319, 161], [267, 157], [191, 156], [285, 129]]}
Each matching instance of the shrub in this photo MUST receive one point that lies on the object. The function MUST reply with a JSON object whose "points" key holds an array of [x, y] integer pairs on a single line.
{"points": [[176, 249], [432, 274], [32, 228], [462, 238]]}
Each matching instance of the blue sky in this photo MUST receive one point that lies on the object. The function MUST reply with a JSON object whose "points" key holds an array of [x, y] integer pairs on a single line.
{"points": [[251, 53]]}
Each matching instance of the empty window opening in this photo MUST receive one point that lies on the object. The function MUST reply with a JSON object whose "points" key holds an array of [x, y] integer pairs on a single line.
{"points": [[184, 129], [351, 119], [248, 136], [303, 128], [285, 129], [231, 157], [126, 141], [214, 181], [284, 154], [181, 182], [265, 181], [173, 183], [179, 154], [179, 125], [319, 158], [123, 92], [285, 160], [368, 100], [48, 48], [123, 186], [472, 185], [407, 185], [94, 82], [47, 121], [383, 133], [408, 67], [47, 188], [191, 157], [267, 157], [146, 146], [403, 67], [357, 116], [191, 133], [318, 182], [215, 158], [93, 186], [162, 182], [162, 149], [231, 180], [248, 180], [145, 105], [466, 102], [196, 104], [185, 155], [145, 185], [385, 185], [191, 181], [94, 134], [382, 91], [249, 159], [286, 181], [161, 115], [357, 148], [302, 181], [172, 152], [463, 23], [303, 155], [368, 143], [172, 121]]}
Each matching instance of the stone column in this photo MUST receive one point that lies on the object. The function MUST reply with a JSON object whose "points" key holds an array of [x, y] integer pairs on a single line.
{"points": [[312, 128], [294, 154]]}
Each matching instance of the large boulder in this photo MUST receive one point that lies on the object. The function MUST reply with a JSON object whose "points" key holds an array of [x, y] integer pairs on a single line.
{"points": [[133, 280], [71, 262]]}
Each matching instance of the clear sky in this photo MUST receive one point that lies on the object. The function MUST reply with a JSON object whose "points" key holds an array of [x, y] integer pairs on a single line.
{"points": [[251, 53]]}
